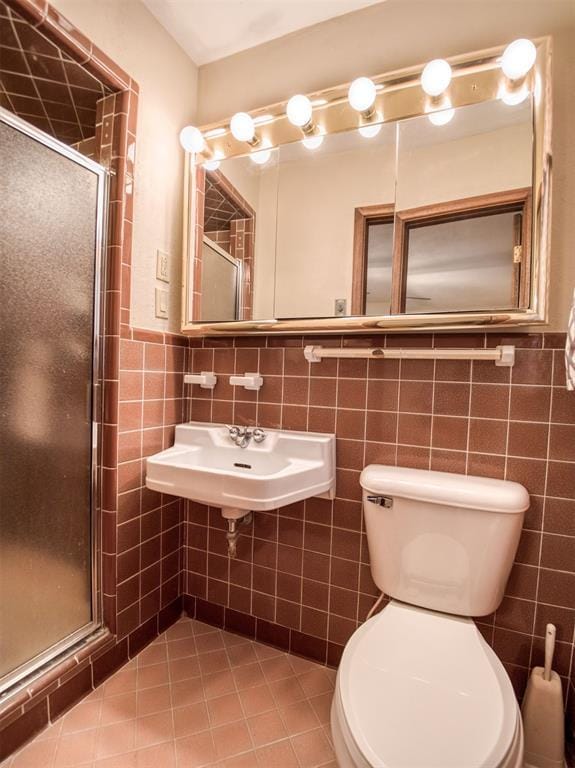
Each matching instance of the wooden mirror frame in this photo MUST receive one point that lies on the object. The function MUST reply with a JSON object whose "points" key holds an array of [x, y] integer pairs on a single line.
{"points": [[477, 78]]}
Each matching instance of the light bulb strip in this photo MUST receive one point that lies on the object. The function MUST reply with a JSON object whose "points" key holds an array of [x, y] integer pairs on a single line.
{"points": [[476, 77]]}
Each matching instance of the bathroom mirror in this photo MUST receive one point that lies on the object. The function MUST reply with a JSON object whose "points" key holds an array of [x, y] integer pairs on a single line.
{"points": [[435, 219]]}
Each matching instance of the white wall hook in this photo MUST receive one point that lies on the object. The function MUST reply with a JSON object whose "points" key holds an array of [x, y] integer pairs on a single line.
{"points": [[248, 381], [206, 379]]}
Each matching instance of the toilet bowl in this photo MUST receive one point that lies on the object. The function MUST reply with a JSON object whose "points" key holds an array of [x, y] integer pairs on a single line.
{"points": [[420, 689], [418, 686]]}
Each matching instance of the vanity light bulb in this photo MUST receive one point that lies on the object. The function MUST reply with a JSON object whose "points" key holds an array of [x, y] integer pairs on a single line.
{"points": [[518, 58], [261, 156], [313, 142], [299, 110], [191, 139], [436, 77], [242, 126], [214, 163], [442, 117], [514, 97], [361, 94], [369, 131]]}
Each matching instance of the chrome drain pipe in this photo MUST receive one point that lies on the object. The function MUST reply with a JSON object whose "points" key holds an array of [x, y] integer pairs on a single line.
{"points": [[233, 532]]}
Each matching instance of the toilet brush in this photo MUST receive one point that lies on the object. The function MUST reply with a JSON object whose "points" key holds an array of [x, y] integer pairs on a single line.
{"points": [[543, 715]]}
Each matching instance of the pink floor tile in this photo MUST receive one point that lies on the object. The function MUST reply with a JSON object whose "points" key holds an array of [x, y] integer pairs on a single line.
{"points": [[116, 738], [231, 739], [183, 669], [278, 755], [242, 654], [312, 748], [225, 709], [257, 700], [75, 749], [196, 698], [83, 716], [116, 709], [196, 751], [181, 648], [191, 719], [299, 717], [266, 728], [155, 674], [38, 754], [154, 729], [211, 641]]}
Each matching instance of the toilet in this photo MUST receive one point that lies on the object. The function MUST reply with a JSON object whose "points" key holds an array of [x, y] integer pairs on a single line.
{"points": [[418, 686]]}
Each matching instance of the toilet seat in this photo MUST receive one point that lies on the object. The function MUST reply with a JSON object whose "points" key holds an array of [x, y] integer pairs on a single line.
{"points": [[420, 689]]}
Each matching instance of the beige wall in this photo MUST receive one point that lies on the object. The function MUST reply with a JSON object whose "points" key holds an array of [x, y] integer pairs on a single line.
{"points": [[127, 32], [401, 33]]}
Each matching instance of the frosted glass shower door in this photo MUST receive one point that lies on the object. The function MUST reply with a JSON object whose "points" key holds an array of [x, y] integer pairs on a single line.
{"points": [[51, 204]]}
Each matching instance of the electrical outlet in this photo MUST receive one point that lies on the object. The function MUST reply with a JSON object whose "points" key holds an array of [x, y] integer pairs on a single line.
{"points": [[340, 307], [161, 303], [162, 259]]}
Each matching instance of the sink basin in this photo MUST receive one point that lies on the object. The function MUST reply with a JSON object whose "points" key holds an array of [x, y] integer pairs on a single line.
{"points": [[205, 465]]}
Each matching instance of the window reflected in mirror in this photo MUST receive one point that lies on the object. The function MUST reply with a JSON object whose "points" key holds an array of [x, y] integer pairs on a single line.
{"points": [[463, 211]]}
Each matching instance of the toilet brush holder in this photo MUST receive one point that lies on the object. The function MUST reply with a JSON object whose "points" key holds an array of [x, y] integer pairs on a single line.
{"points": [[543, 714]]}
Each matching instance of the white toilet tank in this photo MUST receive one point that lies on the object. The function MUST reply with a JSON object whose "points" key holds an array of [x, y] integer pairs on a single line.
{"points": [[440, 540]]}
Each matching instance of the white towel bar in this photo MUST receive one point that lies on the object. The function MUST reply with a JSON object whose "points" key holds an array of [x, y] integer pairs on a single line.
{"points": [[502, 355]]}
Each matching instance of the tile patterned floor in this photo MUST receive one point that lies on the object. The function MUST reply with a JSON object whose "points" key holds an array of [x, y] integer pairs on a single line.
{"points": [[195, 697]]}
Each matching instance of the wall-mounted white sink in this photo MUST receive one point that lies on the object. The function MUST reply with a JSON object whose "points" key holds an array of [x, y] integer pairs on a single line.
{"points": [[204, 464]]}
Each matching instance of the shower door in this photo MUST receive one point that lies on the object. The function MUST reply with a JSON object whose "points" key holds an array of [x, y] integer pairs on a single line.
{"points": [[52, 201]]}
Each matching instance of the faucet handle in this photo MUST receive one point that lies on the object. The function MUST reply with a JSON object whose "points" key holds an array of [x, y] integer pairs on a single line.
{"points": [[259, 435], [233, 431]]}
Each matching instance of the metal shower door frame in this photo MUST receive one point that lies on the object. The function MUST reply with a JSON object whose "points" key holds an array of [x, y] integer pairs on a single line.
{"points": [[15, 679]]}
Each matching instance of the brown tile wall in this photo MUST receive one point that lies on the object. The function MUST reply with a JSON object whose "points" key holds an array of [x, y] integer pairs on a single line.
{"points": [[42, 84], [139, 541], [142, 559], [306, 567]]}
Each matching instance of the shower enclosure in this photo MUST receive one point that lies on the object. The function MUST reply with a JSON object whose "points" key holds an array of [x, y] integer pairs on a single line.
{"points": [[52, 204]]}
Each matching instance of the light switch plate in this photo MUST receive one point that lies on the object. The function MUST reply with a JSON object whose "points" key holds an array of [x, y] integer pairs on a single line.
{"points": [[161, 303], [162, 259], [340, 307]]}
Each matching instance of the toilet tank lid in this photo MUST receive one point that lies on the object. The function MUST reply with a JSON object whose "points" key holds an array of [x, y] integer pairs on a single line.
{"points": [[447, 488]]}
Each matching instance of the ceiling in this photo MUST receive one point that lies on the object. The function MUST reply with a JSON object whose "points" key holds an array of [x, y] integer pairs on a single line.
{"points": [[211, 29]]}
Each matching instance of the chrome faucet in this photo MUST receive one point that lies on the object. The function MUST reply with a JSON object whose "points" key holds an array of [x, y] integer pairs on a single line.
{"points": [[241, 436]]}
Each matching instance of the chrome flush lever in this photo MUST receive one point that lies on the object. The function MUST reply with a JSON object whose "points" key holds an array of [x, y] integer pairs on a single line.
{"points": [[381, 501]]}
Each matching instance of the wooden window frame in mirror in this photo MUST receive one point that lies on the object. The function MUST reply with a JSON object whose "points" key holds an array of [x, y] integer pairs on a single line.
{"points": [[508, 201], [363, 217]]}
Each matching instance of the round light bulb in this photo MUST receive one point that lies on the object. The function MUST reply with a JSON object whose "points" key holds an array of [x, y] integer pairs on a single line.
{"points": [[436, 77], [299, 110], [361, 94], [214, 163], [261, 156], [315, 141], [369, 131], [518, 58], [515, 96], [442, 117], [191, 139], [242, 126]]}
